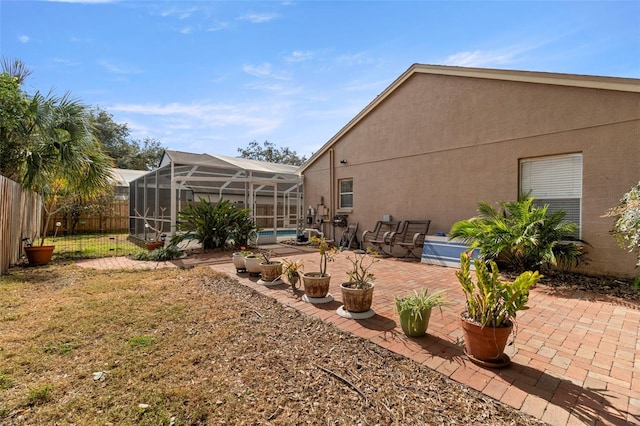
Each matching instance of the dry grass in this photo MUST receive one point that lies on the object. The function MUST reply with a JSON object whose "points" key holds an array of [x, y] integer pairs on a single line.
{"points": [[195, 347]]}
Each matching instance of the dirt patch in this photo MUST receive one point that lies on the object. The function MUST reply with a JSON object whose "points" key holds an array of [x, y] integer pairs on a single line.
{"points": [[195, 347]]}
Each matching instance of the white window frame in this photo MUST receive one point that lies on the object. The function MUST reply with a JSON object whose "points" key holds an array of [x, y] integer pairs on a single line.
{"points": [[556, 181], [342, 193]]}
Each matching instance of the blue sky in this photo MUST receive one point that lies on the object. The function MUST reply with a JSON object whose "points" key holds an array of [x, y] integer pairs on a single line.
{"points": [[212, 76]]}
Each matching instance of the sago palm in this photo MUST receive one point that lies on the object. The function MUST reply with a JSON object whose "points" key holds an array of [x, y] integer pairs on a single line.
{"points": [[520, 234]]}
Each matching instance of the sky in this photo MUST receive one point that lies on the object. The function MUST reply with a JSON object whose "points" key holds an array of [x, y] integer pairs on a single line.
{"points": [[213, 76]]}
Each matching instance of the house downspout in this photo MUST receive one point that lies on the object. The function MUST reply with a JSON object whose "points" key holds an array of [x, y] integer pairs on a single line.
{"points": [[331, 190]]}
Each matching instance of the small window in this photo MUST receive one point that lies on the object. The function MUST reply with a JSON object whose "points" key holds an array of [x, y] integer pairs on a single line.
{"points": [[556, 181], [346, 193]]}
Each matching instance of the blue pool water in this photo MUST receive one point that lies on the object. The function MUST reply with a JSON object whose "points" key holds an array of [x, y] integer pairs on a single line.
{"points": [[279, 232]]}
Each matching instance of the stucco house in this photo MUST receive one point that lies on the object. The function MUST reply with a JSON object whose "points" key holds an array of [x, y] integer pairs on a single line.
{"points": [[440, 139]]}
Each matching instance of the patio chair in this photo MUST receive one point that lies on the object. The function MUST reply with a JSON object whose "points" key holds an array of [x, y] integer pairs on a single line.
{"points": [[379, 236], [410, 237]]}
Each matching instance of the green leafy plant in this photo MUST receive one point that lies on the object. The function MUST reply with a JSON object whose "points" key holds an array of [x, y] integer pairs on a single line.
{"points": [[244, 231], [40, 395], [360, 276], [626, 228], [139, 341], [161, 254], [291, 269], [327, 253], [211, 223], [490, 301], [417, 303], [521, 235], [5, 382]]}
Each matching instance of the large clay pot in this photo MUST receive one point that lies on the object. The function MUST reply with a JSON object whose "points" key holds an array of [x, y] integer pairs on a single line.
{"points": [[39, 255], [270, 271], [413, 325], [238, 261], [355, 299], [485, 344], [316, 285], [252, 263]]}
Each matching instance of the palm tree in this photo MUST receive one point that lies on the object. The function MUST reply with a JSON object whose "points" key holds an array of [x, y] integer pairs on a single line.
{"points": [[522, 235], [54, 151]]}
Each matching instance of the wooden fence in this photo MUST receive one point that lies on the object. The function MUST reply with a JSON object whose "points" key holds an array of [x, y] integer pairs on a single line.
{"points": [[116, 219], [20, 217]]}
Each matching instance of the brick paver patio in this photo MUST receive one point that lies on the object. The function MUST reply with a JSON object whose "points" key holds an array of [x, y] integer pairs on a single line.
{"points": [[575, 357]]}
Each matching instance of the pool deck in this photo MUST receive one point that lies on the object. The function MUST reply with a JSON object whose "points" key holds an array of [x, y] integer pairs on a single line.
{"points": [[575, 357]]}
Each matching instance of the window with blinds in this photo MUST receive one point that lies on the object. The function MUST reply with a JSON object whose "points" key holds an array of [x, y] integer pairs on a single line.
{"points": [[346, 193], [556, 181]]}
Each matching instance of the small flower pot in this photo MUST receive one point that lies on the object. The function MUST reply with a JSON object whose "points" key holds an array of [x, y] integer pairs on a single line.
{"points": [[152, 245], [414, 325], [355, 299], [270, 271], [315, 284]]}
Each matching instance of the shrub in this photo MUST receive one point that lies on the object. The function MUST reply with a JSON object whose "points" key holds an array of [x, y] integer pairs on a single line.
{"points": [[626, 228], [521, 235], [160, 254], [491, 302], [213, 223]]}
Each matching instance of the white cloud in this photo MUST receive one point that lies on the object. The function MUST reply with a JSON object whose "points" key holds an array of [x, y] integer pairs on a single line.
{"points": [[299, 56], [66, 62], [119, 69], [186, 30], [24, 39], [264, 70], [480, 58], [256, 18], [355, 59], [176, 124], [179, 13], [218, 26], [496, 57]]}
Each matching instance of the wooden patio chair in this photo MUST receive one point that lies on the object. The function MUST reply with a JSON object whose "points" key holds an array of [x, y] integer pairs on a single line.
{"points": [[410, 237], [379, 236]]}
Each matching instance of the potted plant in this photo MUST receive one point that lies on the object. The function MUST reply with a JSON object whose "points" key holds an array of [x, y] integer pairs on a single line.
{"points": [[238, 259], [292, 271], [316, 284], [270, 270], [357, 293], [252, 263], [414, 310], [490, 310], [154, 237]]}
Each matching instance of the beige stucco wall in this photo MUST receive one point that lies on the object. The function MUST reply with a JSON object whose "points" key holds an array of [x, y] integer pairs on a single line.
{"points": [[439, 144]]}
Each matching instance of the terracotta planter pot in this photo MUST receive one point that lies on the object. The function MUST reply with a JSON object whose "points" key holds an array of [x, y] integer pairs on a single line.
{"points": [[270, 271], [152, 245], [415, 326], [315, 285], [356, 300], [485, 343], [39, 255]]}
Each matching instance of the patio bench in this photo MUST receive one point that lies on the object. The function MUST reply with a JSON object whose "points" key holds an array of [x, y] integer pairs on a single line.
{"points": [[410, 237], [379, 236]]}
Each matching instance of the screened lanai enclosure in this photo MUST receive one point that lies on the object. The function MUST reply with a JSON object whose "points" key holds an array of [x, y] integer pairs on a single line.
{"points": [[273, 193]]}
